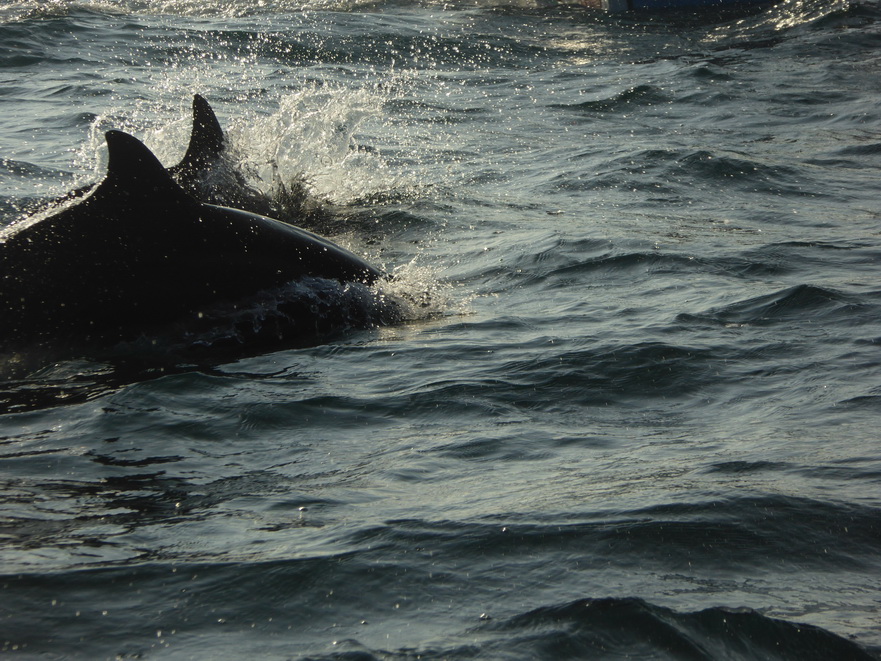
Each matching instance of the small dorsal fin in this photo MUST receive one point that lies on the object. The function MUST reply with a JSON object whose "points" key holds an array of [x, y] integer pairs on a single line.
{"points": [[206, 140], [133, 169]]}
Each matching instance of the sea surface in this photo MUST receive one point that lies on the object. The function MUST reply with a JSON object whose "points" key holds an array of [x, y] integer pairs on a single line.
{"points": [[632, 405]]}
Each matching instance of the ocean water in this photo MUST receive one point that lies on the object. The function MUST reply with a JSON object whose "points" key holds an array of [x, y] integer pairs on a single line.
{"points": [[631, 407]]}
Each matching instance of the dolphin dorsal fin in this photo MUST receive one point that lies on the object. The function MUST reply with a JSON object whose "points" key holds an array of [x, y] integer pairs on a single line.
{"points": [[133, 170], [206, 141]]}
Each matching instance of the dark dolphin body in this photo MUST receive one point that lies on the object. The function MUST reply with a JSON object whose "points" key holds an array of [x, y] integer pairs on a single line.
{"points": [[140, 252]]}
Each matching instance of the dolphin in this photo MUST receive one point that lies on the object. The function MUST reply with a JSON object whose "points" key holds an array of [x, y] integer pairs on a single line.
{"points": [[206, 147], [209, 174], [140, 252]]}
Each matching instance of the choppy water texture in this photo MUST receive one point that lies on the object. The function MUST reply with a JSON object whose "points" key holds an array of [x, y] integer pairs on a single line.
{"points": [[632, 413]]}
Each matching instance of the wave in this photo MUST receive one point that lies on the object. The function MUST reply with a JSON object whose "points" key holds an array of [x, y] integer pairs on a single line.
{"points": [[713, 535], [640, 95], [689, 173], [427, 561], [729, 25], [588, 628], [785, 18], [238, 9], [806, 303], [564, 262], [614, 628]]}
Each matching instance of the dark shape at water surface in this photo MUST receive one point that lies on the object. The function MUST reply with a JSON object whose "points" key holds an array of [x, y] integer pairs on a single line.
{"points": [[139, 253]]}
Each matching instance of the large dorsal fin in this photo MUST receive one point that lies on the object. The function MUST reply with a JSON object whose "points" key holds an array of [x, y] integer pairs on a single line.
{"points": [[134, 171], [206, 140]]}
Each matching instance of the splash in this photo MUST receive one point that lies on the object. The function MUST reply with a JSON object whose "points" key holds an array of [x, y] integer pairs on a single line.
{"points": [[423, 294], [313, 136]]}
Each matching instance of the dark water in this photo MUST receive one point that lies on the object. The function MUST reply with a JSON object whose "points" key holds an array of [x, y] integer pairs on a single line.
{"points": [[632, 410]]}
